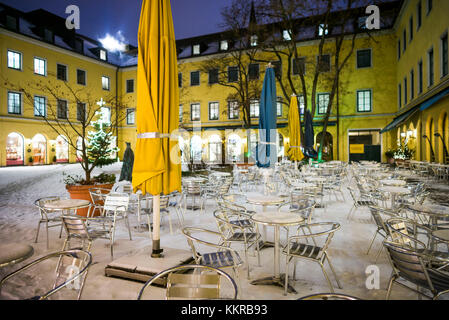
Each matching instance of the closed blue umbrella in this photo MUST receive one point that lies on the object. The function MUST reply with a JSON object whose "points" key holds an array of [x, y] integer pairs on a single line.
{"points": [[309, 151], [266, 149]]}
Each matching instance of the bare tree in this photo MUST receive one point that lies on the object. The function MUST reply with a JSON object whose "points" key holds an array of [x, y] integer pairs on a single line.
{"points": [[77, 123]]}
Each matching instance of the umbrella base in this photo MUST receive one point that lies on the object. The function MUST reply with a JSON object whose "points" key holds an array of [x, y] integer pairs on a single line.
{"points": [[157, 251], [274, 281]]}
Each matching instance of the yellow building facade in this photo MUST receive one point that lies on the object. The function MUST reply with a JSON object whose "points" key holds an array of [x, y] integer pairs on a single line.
{"points": [[369, 100]]}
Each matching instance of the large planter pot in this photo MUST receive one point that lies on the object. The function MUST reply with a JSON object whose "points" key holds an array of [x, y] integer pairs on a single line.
{"points": [[390, 160], [82, 192]]}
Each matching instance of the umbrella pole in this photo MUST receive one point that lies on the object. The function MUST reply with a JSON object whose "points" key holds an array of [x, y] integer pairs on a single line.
{"points": [[157, 251]]}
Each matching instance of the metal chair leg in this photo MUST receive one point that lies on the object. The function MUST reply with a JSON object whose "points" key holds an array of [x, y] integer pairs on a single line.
{"points": [[37, 233], [372, 241], [390, 285], [333, 271], [327, 277]]}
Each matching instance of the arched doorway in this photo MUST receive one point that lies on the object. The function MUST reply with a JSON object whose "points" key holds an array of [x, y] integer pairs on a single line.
{"points": [[62, 149], [328, 146], [430, 141], [215, 149], [14, 149], [39, 149], [234, 149]]}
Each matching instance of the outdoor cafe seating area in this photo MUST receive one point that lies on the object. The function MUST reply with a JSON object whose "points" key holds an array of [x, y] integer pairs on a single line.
{"points": [[287, 232]]}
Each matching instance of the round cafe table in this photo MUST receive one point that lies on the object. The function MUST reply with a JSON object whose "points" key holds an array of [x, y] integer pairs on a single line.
{"points": [[67, 204], [393, 182], [276, 219], [194, 179], [394, 191], [265, 201], [14, 253]]}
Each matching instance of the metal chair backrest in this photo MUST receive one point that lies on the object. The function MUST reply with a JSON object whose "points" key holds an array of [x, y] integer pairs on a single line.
{"points": [[193, 188], [71, 270], [321, 230], [407, 262], [75, 227], [204, 283], [116, 202], [164, 202], [39, 203]]}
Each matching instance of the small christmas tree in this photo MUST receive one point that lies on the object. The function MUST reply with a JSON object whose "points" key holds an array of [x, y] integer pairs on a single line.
{"points": [[100, 149]]}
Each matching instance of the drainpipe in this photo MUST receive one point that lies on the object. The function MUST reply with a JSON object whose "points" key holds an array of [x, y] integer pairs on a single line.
{"points": [[116, 107], [338, 118]]}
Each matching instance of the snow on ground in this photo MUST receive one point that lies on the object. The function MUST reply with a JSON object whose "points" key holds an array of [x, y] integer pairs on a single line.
{"points": [[21, 186]]}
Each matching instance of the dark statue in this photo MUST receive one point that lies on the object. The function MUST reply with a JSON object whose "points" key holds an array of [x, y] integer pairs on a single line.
{"points": [[128, 162]]}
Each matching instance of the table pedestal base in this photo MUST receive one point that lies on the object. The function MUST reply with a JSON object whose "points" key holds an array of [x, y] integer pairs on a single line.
{"points": [[274, 281]]}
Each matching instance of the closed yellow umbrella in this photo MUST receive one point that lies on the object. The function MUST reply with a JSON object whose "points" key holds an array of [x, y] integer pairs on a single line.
{"points": [[157, 108], [294, 126]]}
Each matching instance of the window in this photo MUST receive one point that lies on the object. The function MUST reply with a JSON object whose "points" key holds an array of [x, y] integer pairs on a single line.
{"points": [[420, 77], [364, 101], [61, 72], [213, 111], [301, 104], [196, 49], [40, 66], [418, 15], [81, 77], [412, 84], [233, 111], [105, 83], [14, 103], [444, 56], [14, 60], [324, 63], [62, 109], [254, 109], [224, 45], [11, 22], [429, 6], [213, 76], [180, 112], [253, 41], [81, 111], [130, 86], [103, 55], [233, 74], [364, 58], [323, 102], [431, 67], [405, 91], [130, 116], [48, 35], [361, 21], [323, 29], [404, 40], [253, 71], [399, 49], [195, 78], [299, 66], [39, 106], [411, 28], [279, 107], [286, 34], [195, 112], [400, 95]]}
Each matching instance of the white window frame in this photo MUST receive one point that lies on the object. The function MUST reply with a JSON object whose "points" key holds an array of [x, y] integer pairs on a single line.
{"points": [[252, 109], [45, 66], [293, 66], [357, 100], [302, 104], [45, 106], [199, 111], [216, 104], [67, 109], [20, 62], [286, 35], [254, 40], [103, 55], [318, 101], [109, 83], [323, 29], [279, 107], [237, 74], [21, 102], [233, 110], [133, 110], [196, 49], [134, 85], [85, 110], [224, 45]]}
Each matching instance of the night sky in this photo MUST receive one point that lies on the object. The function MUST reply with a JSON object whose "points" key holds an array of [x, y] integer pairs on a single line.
{"points": [[99, 17]]}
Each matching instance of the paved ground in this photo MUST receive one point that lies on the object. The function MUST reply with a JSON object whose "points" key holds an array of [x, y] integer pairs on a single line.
{"points": [[18, 219]]}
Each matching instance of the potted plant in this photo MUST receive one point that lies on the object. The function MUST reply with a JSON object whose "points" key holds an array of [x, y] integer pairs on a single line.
{"points": [[403, 154], [97, 151]]}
